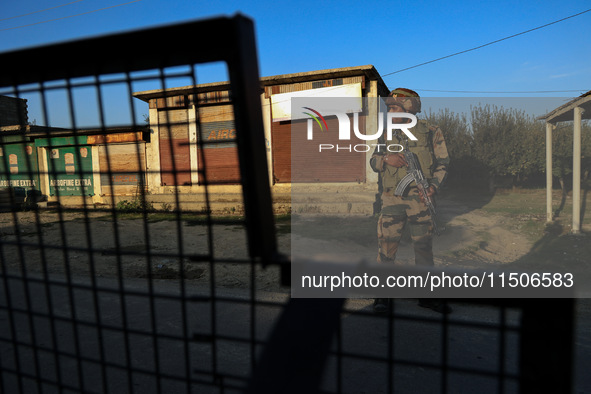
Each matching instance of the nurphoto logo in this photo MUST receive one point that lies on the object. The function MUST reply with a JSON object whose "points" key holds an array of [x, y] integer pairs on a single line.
{"points": [[316, 119], [394, 121]]}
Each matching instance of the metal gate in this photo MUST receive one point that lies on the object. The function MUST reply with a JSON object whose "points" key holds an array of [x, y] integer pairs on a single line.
{"points": [[128, 297]]}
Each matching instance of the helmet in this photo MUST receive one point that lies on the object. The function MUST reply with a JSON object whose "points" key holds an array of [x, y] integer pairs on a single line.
{"points": [[408, 99]]}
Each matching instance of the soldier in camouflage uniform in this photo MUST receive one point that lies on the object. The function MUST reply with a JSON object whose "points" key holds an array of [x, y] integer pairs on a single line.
{"points": [[397, 211]]}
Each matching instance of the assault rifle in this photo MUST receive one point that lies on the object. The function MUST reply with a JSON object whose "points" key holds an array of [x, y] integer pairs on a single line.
{"points": [[416, 174]]}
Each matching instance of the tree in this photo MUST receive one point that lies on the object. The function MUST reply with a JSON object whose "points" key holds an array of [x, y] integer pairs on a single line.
{"points": [[458, 139], [562, 152], [507, 141]]}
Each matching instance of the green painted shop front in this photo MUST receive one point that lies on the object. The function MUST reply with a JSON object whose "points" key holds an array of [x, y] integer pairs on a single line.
{"points": [[18, 166], [69, 166]]}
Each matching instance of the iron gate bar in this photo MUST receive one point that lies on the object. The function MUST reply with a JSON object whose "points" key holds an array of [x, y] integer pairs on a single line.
{"points": [[266, 252], [234, 44]]}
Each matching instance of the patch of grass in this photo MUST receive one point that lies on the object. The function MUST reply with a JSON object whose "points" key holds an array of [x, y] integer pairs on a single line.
{"points": [[193, 219], [283, 224], [154, 217], [283, 218], [533, 203], [531, 228], [524, 210], [305, 208], [135, 206]]}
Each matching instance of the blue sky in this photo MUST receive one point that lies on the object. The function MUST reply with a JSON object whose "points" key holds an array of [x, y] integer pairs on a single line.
{"points": [[391, 35]]}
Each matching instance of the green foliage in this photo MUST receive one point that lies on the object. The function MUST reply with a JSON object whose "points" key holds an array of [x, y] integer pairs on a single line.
{"points": [[457, 133], [135, 205], [562, 150], [459, 141], [505, 142]]}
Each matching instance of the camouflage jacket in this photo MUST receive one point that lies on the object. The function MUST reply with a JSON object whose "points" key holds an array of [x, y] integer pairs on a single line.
{"points": [[430, 149]]}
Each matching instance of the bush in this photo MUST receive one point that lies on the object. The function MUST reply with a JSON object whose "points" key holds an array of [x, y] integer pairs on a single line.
{"points": [[135, 205]]}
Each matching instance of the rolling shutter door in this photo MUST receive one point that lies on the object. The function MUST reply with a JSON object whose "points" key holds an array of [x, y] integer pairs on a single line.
{"points": [[219, 156], [306, 163], [281, 143], [175, 158]]}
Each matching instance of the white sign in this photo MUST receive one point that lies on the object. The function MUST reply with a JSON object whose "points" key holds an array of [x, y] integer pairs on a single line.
{"points": [[281, 103]]}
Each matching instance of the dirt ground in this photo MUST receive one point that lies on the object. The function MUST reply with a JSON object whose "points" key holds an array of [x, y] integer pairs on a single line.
{"points": [[466, 235], [78, 243], [81, 243]]}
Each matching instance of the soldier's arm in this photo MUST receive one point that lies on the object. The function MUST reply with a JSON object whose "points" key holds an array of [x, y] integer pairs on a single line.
{"points": [[441, 159], [381, 157]]}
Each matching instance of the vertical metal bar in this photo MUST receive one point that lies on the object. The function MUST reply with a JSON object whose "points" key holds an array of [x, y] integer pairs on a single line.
{"points": [[47, 286], [88, 231], [10, 311], [152, 294], [549, 128], [210, 245], [253, 316], [577, 115], [2, 385], [120, 278], [204, 181], [295, 355], [390, 364], [183, 289], [45, 270], [546, 348], [116, 236], [502, 350], [27, 300], [4, 270], [339, 355], [444, 350], [64, 247], [246, 90]]}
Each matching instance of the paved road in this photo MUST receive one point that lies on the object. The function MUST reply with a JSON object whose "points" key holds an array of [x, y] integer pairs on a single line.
{"points": [[85, 327]]}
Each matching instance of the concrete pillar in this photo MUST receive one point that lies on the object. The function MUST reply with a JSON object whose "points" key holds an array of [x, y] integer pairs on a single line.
{"points": [[549, 128], [43, 171], [153, 176], [96, 175], [577, 116], [371, 126], [192, 117], [267, 124]]}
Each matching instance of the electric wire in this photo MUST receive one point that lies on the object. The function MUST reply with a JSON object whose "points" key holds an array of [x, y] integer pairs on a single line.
{"points": [[70, 16], [36, 12], [487, 44]]}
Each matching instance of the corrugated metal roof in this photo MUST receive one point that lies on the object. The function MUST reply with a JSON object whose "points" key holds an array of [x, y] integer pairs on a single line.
{"points": [[368, 70]]}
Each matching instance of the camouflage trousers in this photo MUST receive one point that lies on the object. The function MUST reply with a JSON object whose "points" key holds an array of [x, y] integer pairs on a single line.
{"points": [[396, 213]]}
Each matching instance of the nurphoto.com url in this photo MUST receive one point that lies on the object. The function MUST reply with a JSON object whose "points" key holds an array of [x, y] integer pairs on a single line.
{"points": [[441, 280]]}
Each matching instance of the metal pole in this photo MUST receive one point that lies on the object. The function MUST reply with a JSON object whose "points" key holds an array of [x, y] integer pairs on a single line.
{"points": [[578, 112], [547, 368], [549, 128]]}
